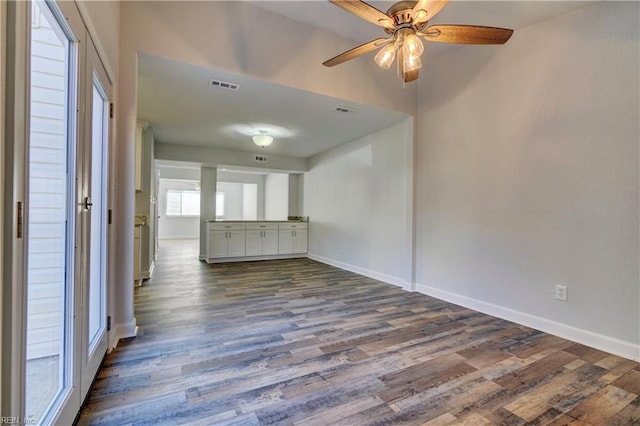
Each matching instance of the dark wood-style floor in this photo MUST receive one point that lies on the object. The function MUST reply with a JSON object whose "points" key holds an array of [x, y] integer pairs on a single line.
{"points": [[299, 342]]}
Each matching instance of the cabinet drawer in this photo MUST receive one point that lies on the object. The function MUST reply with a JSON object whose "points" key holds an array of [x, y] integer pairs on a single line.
{"points": [[262, 226], [293, 225], [227, 226]]}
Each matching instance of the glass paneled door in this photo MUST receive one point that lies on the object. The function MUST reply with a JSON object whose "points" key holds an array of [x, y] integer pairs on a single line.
{"points": [[61, 293], [50, 213], [94, 218]]}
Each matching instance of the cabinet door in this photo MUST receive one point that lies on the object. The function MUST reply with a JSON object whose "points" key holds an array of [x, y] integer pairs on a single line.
{"points": [[218, 244], [285, 242], [300, 241], [254, 243], [270, 242], [237, 243]]}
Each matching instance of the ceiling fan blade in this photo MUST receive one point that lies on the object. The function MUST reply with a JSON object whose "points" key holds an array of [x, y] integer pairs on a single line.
{"points": [[466, 34], [430, 7], [409, 76], [365, 11], [357, 51]]}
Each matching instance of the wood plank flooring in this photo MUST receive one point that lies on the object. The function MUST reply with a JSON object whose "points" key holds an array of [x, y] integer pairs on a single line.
{"points": [[296, 342]]}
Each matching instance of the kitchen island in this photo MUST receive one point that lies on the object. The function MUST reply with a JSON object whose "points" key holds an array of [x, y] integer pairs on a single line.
{"points": [[241, 241]]}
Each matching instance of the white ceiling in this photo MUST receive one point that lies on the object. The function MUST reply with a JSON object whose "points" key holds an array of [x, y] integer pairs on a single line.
{"points": [[181, 108]]}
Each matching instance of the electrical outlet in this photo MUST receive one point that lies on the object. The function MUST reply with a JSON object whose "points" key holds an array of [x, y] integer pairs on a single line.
{"points": [[561, 292]]}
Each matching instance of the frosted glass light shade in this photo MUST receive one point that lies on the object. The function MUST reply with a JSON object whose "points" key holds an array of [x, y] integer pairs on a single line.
{"points": [[412, 63], [413, 46], [384, 58], [262, 140]]}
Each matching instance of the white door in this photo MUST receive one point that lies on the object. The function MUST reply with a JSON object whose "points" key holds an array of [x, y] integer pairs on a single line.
{"points": [[50, 384], [94, 216], [56, 199]]}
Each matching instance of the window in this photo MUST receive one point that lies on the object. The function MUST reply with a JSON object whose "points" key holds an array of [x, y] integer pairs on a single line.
{"points": [[183, 203], [219, 204]]}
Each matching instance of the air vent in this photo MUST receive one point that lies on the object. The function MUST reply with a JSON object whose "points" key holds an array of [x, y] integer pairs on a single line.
{"points": [[344, 109], [223, 84], [260, 158]]}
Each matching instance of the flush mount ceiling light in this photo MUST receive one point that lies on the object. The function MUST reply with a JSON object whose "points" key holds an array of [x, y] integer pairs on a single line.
{"points": [[406, 22], [262, 139]]}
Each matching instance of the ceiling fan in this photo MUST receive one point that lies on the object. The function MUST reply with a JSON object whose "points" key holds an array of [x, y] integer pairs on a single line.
{"points": [[406, 22]]}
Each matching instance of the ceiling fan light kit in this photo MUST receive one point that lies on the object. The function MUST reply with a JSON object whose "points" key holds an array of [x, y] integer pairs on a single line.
{"points": [[406, 22]]}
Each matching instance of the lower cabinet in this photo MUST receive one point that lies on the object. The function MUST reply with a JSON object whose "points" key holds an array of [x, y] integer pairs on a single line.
{"points": [[233, 241], [292, 238], [226, 240], [262, 239]]}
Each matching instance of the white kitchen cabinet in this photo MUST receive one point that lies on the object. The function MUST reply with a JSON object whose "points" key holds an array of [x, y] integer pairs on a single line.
{"points": [[242, 241], [292, 238], [262, 239], [226, 240]]}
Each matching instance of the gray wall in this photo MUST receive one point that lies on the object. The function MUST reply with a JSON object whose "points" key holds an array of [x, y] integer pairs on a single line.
{"points": [[527, 176], [358, 199]]}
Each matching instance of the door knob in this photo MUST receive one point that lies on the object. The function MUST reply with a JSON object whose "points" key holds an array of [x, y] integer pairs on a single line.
{"points": [[87, 203]]}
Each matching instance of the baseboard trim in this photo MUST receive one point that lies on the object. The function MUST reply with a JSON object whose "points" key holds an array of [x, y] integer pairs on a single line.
{"points": [[179, 237], [124, 331], [390, 279], [255, 258], [585, 337]]}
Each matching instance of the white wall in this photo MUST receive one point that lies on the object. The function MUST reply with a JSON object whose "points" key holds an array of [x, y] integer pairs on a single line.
{"points": [[358, 199], [276, 196], [213, 157], [247, 178], [172, 227], [102, 19], [233, 200], [527, 176], [249, 201]]}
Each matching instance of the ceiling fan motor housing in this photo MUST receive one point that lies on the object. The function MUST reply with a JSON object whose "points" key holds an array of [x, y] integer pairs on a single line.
{"points": [[401, 14]]}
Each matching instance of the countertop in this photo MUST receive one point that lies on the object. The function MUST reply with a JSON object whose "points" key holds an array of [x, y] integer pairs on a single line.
{"points": [[256, 221]]}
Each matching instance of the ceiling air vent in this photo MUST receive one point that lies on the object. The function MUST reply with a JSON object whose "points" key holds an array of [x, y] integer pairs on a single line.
{"points": [[260, 158], [223, 84]]}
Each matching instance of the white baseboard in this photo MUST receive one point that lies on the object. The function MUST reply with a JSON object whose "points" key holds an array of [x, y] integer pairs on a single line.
{"points": [[123, 331], [179, 237], [585, 337], [390, 279]]}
